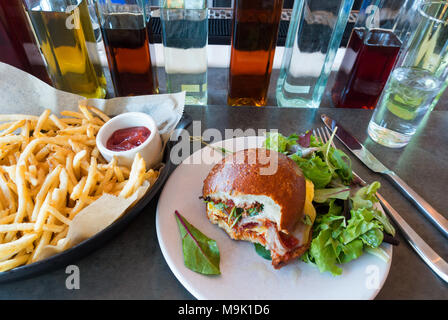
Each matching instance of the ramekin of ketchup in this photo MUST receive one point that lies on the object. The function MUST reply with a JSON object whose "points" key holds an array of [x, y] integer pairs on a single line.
{"points": [[127, 138], [128, 133]]}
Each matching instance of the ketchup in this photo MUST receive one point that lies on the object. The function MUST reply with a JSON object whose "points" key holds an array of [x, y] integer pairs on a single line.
{"points": [[127, 138]]}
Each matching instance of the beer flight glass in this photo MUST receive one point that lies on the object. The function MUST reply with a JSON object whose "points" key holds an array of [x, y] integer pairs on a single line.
{"points": [[314, 35], [254, 36], [17, 44], [373, 48], [64, 29], [185, 38], [126, 32]]}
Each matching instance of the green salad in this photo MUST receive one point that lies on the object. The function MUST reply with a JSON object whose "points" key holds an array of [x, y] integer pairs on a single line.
{"points": [[347, 222]]}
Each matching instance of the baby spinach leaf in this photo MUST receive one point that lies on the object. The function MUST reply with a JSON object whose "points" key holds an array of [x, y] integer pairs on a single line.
{"points": [[201, 254]]}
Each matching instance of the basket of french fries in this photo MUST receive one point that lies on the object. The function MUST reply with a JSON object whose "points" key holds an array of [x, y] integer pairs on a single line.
{"points": [[59, 198]]}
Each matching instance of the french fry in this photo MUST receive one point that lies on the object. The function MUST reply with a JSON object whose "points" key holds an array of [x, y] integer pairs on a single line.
{"points": [[50, 170], [91, 178], [44, 190], [40, 122], [9, 249], [16, 227], [13, 127], [77, 161], [135, 177], [99, 113], [54, 212], [61, 125], [12, 263]]}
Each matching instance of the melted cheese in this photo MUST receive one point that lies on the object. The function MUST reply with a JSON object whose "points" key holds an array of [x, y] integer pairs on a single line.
{"points": [[308, 208]]}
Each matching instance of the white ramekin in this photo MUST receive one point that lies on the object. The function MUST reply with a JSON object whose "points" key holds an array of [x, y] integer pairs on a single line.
{"points": [[150, 149]]}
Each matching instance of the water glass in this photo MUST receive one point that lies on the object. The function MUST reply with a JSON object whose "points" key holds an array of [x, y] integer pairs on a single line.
{"points": [[314, 35], [416, 79], [185, 38]]}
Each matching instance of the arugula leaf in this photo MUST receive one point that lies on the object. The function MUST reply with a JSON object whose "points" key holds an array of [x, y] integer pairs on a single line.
{"points": [[201, 254], [253, 211], [262, 251]]}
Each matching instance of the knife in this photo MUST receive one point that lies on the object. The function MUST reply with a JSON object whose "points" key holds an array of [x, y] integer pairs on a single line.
{"points": [[375, 165]]}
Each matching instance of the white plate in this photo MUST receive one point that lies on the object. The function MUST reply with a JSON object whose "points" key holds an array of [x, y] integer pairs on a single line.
{"points": [[244, 274]]}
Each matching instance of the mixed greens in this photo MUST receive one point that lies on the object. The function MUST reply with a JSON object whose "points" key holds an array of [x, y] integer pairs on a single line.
{"points": [[347, 223]]}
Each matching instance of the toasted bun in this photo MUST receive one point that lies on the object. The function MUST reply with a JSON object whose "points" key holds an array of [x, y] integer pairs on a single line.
{"points": [[264, 176]]}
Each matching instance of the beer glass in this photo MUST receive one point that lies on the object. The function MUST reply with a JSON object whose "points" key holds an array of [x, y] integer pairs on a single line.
{"points": [[126, 39], [416, 79], [254, 36], [185, 31], [373, 48], [314, 35], [61, 28]]}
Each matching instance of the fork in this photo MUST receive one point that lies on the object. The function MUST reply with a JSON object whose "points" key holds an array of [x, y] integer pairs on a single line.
{"points": [[428, 255]]}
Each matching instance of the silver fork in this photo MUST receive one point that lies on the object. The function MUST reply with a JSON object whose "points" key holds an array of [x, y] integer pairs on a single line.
{"points": [[428, 255]]}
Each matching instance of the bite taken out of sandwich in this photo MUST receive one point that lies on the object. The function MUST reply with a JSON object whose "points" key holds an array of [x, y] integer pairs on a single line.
{"points": [[261, 196]]}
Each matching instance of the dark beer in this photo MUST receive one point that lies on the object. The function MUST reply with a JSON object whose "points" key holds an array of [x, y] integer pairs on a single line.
{"points": [[128, 55], [17, 45], [368, 61], [254, 35]]}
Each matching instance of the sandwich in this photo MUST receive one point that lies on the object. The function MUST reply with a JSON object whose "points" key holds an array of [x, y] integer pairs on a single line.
{"points": [[273, 210]]}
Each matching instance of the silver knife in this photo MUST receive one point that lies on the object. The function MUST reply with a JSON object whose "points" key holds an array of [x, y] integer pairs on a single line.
{"points": [[375, 165]]}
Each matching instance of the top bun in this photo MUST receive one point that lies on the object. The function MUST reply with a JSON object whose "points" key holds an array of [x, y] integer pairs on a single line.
{"points": [[264, 176]]}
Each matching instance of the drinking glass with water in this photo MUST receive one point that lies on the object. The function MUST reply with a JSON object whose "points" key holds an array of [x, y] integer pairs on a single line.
{"points": [[416, 79], [185, 30]]}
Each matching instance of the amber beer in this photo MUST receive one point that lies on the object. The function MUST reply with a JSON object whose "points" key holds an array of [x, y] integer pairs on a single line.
{"points": [[128, 55], [254, 35]]}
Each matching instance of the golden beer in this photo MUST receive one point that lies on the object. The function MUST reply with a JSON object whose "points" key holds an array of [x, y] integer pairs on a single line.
{"points": [[63, 44]]}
